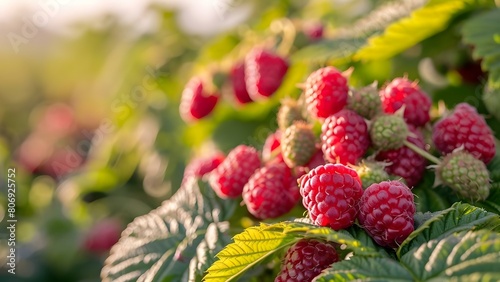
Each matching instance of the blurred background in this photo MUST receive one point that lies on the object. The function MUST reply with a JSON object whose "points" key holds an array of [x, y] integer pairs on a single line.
{"points": [[89, 98]]}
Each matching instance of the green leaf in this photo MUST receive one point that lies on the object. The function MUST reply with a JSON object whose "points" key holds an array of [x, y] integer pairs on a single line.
{"points": [[365, 269], [459, 256], [460, 217], [347, 40], [174, 242], [482, 31], [431, 199], [249, 248], [355, 238], [421, 24], [492, 203], [258, 243], [332, 49]]}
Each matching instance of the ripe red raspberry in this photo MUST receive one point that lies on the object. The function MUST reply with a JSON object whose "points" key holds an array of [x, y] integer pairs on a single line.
{"points": [[264, 72], [331, 193], [345, 137], [326, 92], [229, 178], [271, 191], [195, 102], [237, 77], [198, 167], [465, 127], [314, 30], [272, 143], [386, 212], [401, 92], [306, 259], [404, 162], [103, 235]]}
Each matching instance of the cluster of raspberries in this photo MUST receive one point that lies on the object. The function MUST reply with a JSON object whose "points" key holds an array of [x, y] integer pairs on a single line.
{"points": [[253, 77], [361, 167], [256, 77]]}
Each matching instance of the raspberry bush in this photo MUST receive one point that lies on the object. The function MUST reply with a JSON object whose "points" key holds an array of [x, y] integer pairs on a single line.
{"points": [[394, 181]]}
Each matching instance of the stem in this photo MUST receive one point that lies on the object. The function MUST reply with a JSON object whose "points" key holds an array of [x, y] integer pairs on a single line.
{"points": [[288, 31], [422, 152]]}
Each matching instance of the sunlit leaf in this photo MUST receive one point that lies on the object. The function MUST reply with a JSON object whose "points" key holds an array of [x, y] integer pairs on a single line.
{"points": [[421, 24], [365, 269], [459, 256], [249, 248], [460, 217]]}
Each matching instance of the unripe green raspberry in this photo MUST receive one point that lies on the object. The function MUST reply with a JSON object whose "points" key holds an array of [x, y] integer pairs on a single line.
{"points": [[388, 132], [466, 175], [298, 144], [288, 113], [365, 101], [371, 172]]}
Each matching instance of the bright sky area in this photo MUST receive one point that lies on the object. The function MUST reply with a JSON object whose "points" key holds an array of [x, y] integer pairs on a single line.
{"points": [[196, 16]]}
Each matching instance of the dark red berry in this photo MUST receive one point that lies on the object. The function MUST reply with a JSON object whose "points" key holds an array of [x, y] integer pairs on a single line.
{"points": [[386, 212], [326, 92], [465, 127], [405, 162], [229, 178], [198, 167], [330, 193], [237, 77], [196, 103], [264, 73], [345, 137], [271, 191], [402, 92], [306, 259]]}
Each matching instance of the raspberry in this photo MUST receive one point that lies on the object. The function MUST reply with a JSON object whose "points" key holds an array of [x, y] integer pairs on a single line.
{"points": [[405, 162], [371, 172], [465, 127], [288, 113], [331, 193], [237, 77], [344, 137], [365, 101], [402, 92], [198, 167], [298, 144], [314, 30], [466, 175], [271, 191], [326, 92], [386, 212], [103, 235], [306, 259], [388, 132], [273, 142], [229, 178], [264, 73], [195, 102]]}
